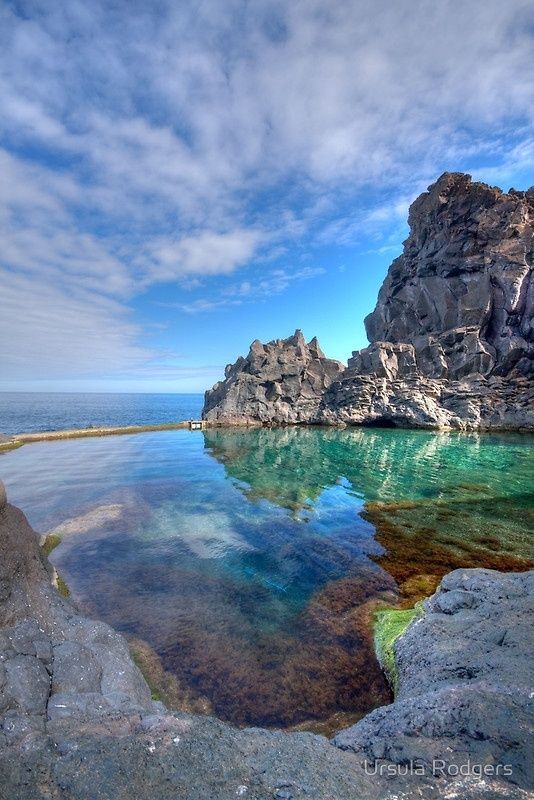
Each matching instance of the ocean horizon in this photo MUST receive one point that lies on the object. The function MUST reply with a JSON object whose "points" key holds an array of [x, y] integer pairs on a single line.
{"points": [[32, 412]]}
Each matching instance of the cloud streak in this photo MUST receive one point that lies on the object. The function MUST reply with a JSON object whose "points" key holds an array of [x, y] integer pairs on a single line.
{"points": [[247, 291], [160, 143]]}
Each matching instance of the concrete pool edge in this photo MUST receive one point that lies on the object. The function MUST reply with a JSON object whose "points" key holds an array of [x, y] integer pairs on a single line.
{"points": [[14, 441]]}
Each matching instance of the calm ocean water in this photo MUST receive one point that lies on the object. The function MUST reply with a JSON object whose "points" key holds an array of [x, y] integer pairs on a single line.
{"points": [[25, 412]]}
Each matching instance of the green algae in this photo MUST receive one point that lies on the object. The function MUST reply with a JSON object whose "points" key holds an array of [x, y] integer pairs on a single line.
{"points": [[6, 447], [61, 586], [390, 623], [50, 543]]}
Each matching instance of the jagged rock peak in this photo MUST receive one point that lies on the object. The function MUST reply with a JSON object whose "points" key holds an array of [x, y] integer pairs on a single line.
{"points": [[452, 334], [281, 382], [462, 291]]}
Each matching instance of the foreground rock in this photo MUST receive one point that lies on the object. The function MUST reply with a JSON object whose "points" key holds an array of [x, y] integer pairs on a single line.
{"points": [[452, 335], [77, 721], [465, 682]]}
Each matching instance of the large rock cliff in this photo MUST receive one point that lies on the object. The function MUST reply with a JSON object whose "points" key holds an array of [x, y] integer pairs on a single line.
{"points": [[462, 293], [452, 334]]}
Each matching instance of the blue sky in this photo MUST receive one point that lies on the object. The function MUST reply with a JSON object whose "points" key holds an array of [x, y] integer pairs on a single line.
{"points": [[177, 179]]}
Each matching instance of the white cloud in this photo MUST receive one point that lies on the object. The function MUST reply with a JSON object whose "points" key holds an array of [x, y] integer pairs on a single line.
{"points": [[275, 282], [179, 142], [207, 253], [91, 334]]}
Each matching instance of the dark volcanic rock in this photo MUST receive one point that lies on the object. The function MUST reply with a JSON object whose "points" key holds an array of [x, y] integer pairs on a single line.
{"points": [[462, 291], [281, 382], [452, 334]]}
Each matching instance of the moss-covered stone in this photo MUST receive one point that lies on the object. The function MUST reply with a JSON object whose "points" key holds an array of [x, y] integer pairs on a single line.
{"points": [[390, 623]]}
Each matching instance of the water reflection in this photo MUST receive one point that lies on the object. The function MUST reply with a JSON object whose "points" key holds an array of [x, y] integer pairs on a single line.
{"points": [[438, 501], [291, 465], [249, 563]]}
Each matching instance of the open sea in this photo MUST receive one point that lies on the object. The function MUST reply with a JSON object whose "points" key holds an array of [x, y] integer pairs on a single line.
{"points": [[26, 412]]}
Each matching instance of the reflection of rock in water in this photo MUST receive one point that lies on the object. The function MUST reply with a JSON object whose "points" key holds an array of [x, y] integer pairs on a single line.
{"points": [[290, 465], [428, 514], [426, 540]]}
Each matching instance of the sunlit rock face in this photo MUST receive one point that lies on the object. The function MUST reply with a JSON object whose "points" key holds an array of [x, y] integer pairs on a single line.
{"points": [[452, 334], [462, 292], [281, 382]]}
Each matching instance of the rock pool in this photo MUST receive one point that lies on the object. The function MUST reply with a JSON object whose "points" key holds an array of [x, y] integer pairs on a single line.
{"points": [[245, 566]]}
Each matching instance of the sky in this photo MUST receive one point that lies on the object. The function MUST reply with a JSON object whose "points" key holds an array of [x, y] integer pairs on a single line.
{"points": [[178, 179]]}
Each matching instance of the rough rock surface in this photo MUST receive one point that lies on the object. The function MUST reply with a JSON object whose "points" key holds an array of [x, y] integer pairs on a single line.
{"points": [[281, 382], [452, 334], [448, 705], [462, 292], [77, 721]]}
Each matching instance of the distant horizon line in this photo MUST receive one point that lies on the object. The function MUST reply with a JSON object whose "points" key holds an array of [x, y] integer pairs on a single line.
{"points": [[46, 391]]}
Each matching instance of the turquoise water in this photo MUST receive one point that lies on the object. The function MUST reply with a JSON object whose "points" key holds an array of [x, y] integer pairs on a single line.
{"points": [[26, 412], [248, 563]]}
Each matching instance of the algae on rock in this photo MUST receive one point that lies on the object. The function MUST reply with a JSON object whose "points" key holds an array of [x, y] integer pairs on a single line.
{"points": [[390, 623]]}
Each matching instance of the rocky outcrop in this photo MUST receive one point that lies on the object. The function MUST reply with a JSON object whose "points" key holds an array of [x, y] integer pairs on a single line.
{"points": [[476, 403], [452, 334], [281, 382], [461, 295], [465, 684], [77, 721]]}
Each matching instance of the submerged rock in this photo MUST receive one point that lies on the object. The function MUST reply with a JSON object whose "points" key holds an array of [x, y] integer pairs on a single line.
{"points": [[77, 720], [451, 337]]}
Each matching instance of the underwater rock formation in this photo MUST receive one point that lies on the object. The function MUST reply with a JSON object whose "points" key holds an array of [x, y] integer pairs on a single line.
{"points": [[451, 337], [77, 720]]}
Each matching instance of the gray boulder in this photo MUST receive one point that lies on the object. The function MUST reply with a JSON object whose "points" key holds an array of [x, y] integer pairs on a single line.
{"points": [[465, 682]]}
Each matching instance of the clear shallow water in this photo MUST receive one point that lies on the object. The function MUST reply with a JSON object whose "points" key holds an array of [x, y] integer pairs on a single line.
{"points": [[26, 412], [251, 562]]}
